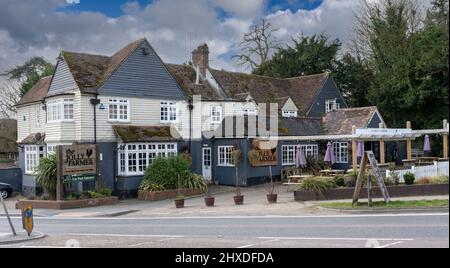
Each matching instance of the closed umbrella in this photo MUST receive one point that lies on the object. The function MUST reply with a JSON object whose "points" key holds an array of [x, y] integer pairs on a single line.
{"points": [[360, 148], [329, 155], [426, 144], [300, 160]]}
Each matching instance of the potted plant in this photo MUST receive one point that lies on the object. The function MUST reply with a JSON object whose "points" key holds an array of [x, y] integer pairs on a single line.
{"points": [[179, 199], [209, 199], [272, 196], [236, 157]]}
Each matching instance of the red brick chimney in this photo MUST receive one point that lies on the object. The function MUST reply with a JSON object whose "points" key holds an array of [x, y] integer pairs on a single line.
{"points": [[200, 58]]}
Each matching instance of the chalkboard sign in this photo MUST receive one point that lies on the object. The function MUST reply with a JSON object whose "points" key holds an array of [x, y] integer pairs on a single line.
{"points": [[373, 162]]}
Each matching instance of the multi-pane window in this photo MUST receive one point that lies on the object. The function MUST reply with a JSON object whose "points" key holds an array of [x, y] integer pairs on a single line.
{"points": [[119, 110], [168, 111], [340, 151], [37, 115], [225, 156], [216, 114], [133, 159], [287, 113], [331, 105], [60, 110], [32, 155], [249, 111], [289, 152]]}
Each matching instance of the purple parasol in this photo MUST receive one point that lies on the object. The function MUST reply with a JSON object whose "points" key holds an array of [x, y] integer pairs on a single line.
{"points": [[300, 160], [426, 144], [329, 155]]}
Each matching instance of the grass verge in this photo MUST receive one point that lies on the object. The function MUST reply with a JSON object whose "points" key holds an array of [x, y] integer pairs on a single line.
{"points": [[393, 204]]}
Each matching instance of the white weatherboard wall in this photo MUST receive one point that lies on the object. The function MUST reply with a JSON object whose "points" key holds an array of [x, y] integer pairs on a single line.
{"points": [[436, 169], [26, 120]]}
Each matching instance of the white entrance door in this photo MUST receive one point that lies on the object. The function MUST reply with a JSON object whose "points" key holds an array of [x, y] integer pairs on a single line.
{"points": [[206, 163]]}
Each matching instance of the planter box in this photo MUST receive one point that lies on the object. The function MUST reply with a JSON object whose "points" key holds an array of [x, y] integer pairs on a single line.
{"points": [[68, 204], [169, 194], [394, 191]]}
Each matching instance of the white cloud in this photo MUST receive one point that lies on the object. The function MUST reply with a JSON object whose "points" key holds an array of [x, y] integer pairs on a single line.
{"points": [[72, 1]]}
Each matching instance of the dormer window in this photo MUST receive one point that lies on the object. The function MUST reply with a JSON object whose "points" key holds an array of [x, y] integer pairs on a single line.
{"points": [[287, 113], [249, 111], [331, 105]]}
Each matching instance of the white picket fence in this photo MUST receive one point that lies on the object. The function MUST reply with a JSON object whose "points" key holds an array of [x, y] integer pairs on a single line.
{"points": [[435, 169]]}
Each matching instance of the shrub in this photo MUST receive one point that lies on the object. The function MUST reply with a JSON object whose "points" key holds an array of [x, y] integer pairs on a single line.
{"points": [[409, 178], [149, 186], [317, 184], [46, 174], [194, 181], [165, 172], [442, 179], [93, 194], [393, 179], [106, 192], [425, 180], [339, 181]]}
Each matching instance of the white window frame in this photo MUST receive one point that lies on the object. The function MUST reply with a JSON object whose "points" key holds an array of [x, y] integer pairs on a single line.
{"points": [[331, 105], [32, 155], [60, 110], [249, 111], [143, 154], [122, 108], [340, 149], [225, 156], [216, 114], [168, 112], [37, 115], [289, 113], [289, 153]]}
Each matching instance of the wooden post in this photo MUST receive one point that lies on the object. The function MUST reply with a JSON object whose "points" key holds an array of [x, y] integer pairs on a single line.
{"points": [[382, 148], [445, 141], [408, 143], [354, 151], [359, 180], [59, 172]]}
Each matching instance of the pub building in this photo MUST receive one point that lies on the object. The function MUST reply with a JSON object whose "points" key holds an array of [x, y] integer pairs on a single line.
{"points": [[136, 108]]}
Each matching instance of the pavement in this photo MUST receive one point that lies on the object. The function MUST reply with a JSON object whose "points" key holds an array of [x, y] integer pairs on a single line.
{"points": [[255, 204], [133, 223], [20, 237]]}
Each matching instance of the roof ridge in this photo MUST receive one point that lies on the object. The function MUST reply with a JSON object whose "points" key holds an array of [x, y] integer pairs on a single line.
{"points": [[357, 108], [84, 53], [270, 77]]}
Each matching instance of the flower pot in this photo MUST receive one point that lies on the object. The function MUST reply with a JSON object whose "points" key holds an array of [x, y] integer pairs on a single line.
{"points": [[209, 201], [179, 203], [272, 198], [238, 199]]}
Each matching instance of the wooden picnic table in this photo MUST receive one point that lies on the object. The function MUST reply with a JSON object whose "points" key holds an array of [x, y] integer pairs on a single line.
{"points": [[331, 172]]}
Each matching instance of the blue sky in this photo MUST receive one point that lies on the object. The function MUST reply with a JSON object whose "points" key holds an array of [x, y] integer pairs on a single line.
{"points": [[113, 8]]}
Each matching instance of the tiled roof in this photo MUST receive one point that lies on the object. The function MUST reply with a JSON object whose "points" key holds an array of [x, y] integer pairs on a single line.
{"points": [[341, 121], [90, 71], [34, 138], [37, 92], [145, 133], [296, 126], [302, 90], [8, 135], [185, 76]]}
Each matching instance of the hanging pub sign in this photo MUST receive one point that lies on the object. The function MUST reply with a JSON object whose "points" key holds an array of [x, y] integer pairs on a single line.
{"points": [[263, 153], [79, 163]]}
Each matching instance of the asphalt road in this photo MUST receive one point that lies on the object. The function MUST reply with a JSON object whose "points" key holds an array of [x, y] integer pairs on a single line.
{"points": [[387, 230]]}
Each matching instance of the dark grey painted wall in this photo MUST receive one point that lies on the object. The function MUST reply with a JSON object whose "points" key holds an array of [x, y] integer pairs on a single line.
{"points": [[12, 176], [143, 76], [249, 175], [329, 91], [375, 122]]}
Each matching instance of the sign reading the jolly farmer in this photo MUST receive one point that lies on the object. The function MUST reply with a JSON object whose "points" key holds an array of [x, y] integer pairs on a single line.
{"points": [[264, 153], [79, 163]]}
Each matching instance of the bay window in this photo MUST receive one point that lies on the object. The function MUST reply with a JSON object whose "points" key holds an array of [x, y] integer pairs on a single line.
{"points": [[133, 159], [60, 110]]}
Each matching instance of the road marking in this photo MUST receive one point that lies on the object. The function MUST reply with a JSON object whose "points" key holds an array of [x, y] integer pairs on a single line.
{"points": [[243, 217], [257, 244], [122, 235], [337, 238], [390, 244]]}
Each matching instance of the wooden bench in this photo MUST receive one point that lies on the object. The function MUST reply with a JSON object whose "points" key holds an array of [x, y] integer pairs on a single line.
{"points": [[296, 180]]}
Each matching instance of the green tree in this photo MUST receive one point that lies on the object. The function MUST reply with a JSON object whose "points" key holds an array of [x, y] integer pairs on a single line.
{"points": [[20, 79], [307, 55], [353, 76]]}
